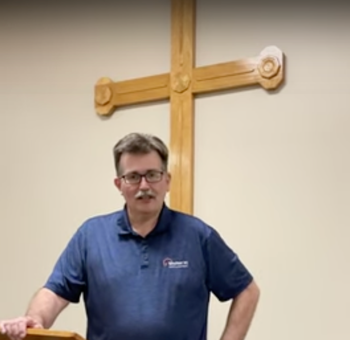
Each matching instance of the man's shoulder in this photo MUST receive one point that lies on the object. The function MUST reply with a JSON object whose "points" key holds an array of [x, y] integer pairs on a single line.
{"points": [[101, 221], [191, 224]]}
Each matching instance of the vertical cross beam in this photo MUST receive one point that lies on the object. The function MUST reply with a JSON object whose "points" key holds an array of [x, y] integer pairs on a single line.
{"points": [[182, 104]]}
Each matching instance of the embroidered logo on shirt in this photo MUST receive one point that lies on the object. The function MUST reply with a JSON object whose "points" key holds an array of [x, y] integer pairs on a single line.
{"points": [[169, 263]]}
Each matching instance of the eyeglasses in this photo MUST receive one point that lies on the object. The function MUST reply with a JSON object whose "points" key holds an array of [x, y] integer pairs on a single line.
{"points": [[151, 176]]}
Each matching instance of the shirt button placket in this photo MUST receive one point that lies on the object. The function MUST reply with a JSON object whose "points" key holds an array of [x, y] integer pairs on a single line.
{"points": [[145, 257]]}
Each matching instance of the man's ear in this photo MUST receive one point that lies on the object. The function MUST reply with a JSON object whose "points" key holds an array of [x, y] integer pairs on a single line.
{"points": [[118, 183], [168, 180]]}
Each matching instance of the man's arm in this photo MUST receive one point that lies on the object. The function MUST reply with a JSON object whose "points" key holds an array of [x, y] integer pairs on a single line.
{"points": [[45, 307], [65, 284], [241, 313], [42, 312], [229, 279]]}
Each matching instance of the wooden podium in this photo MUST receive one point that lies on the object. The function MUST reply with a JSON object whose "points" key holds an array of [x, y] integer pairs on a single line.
{"points": [[44, 334]]}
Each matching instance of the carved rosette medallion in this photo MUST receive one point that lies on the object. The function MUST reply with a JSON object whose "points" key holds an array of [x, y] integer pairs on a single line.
{"points": [[103, 93], [269, 66], [180, 82]]}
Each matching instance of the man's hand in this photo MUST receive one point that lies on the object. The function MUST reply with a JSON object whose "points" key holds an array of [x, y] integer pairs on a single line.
{"points": [[16, 329]]}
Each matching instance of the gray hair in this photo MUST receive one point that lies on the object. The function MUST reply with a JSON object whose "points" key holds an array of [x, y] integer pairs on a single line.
{"points": [[140, 143]]}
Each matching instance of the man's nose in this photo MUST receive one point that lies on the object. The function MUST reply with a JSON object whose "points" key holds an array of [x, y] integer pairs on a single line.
{"points": [[144, 184]]}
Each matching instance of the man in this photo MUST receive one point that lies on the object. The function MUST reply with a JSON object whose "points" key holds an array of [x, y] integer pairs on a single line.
{"points": [[145, 272]]}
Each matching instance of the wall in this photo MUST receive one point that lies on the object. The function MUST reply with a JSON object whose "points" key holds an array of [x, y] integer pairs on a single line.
{"points": [[272, 177]]}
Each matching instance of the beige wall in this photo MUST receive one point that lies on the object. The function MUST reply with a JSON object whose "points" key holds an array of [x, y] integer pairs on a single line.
{"points": [[273, 178]]}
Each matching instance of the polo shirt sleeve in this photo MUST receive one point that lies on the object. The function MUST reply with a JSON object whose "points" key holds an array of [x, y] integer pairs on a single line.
{"points": [[227, 276], [68, 278]]}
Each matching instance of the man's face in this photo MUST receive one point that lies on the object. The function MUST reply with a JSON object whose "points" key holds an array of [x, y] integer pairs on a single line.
{"points": [[143, 194]]}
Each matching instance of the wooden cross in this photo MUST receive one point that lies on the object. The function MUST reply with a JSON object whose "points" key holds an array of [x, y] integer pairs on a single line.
{"points": [[180, 85]]}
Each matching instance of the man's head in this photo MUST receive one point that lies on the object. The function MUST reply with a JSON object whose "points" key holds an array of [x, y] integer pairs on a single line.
{"points": [[141, 163]]}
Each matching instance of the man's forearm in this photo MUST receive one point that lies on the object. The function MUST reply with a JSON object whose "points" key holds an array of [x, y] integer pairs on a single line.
{"points": [[241, 314], [45, 307]]}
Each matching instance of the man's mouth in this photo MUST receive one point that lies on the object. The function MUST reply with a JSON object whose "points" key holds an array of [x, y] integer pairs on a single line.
{"points": [[145, 197]]}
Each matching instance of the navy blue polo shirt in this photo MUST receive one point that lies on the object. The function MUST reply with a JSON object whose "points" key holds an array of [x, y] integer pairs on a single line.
{"points": [[152, 288]]}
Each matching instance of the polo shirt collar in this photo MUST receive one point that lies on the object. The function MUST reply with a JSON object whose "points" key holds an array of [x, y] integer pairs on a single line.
{"points": [[162, 225]]}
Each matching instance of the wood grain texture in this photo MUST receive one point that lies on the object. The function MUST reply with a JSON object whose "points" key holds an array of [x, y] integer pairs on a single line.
{"points": [[181, 105], [44, 334]]}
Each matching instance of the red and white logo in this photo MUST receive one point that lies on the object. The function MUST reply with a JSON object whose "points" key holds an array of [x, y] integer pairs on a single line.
{"points": [[166, 261], [169, 263]]}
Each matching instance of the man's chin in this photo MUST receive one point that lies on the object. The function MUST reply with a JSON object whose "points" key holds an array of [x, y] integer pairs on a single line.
{"points": [[147, 204]]}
